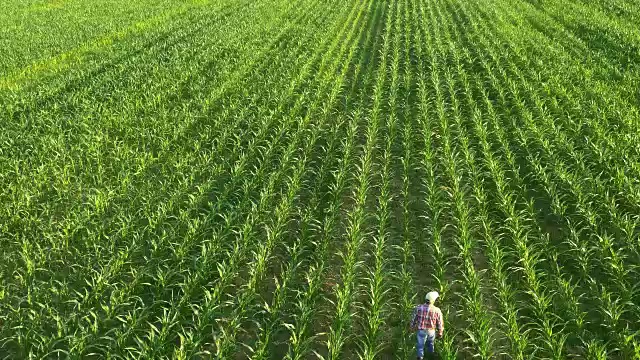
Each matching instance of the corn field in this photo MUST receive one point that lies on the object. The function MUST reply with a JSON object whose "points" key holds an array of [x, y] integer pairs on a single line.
{"points": [[286, 179]]}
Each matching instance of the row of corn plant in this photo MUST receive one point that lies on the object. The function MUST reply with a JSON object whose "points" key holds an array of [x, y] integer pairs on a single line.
{"points": [[516, 236], [478, 331], [410, 244], [613, 259], [490, 328], [511, 324], [446, 107], [345, 292], [275, 312], [531, 214], [275, 231], [404, 287], [445, 164], [264, 193], [598, 134], [431, 104], [301, 336], [621, 222], [182, 249], [480, 320], [434, 194], [489, 335], [377, 282], [459, 218], [375, 315]]}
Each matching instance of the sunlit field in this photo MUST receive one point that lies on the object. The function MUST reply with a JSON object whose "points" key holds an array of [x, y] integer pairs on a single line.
{"points": [[286, 179]]}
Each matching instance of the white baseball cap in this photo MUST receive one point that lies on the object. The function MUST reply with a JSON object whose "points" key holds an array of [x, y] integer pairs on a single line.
{"points": [[432, 296]]}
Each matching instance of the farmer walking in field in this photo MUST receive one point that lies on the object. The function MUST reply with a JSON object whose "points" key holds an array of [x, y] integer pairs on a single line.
{"points": [[426, 319]]}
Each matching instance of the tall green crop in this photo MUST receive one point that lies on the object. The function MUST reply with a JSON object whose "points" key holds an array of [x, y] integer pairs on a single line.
{"points": [[287, 179]]}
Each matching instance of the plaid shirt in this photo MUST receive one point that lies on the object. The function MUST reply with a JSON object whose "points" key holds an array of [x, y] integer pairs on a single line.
{"points": [[427, 316]]}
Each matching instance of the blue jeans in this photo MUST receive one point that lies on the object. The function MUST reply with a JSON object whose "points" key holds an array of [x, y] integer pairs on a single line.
{"points": [[425, 339]]}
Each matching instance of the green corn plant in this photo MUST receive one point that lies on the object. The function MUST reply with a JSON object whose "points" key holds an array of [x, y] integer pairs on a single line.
{"points": [[407, 158], [432, 105], [245, 193], [615, 266], [481, 331], [513, 329], [296, 183], [300, 339], [355, 235], [290, 148], [356, 231], [376, 315], [276, 310], [596, 351]]}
